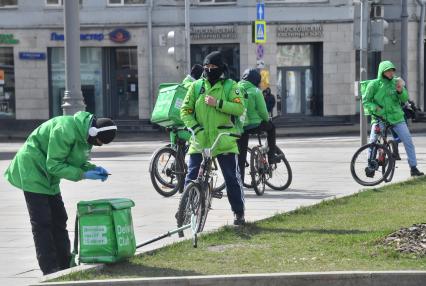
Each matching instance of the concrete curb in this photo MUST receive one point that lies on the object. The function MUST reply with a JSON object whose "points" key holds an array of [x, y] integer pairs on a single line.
{"points": [[349, 278], [79, 268]]}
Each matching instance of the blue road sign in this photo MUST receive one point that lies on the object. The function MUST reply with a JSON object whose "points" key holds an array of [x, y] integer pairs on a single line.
{"points": [[260, 11], [260, 32]]}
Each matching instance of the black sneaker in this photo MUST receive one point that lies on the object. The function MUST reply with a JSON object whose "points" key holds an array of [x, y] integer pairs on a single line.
{"points": [[239, 219], [415, 172], [369, 172], [275, 159]]}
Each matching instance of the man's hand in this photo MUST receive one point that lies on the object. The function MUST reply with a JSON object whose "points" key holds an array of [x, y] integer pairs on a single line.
{"points": [[399, 87], [210, 100]]}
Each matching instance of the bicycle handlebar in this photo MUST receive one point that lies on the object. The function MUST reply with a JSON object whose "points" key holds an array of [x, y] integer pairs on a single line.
{"points": [[197, 145]]}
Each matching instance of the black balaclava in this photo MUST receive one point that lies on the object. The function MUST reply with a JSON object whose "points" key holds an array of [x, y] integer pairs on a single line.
{"points": [[253, 76], [104, 136], [213, 75], [196, 71], [386, 76]]}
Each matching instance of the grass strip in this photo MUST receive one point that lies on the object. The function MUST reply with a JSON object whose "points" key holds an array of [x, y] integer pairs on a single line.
{"points": [[336, 235]]}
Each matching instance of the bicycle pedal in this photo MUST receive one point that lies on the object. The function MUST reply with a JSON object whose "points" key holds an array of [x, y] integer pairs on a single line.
{"points": [[217, 195]]}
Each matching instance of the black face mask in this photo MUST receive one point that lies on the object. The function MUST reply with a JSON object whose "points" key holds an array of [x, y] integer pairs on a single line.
{"points": [[92, 141], [213, 75]]}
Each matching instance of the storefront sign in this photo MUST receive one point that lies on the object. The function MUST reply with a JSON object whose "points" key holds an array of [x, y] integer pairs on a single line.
{"points": [[119, 36], [8, 39], [214, 33], [300, 31], [83, 37], [32, 56]]}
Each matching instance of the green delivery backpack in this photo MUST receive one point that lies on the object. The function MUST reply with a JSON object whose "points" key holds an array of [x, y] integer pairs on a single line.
{"points": [[105, 230]]}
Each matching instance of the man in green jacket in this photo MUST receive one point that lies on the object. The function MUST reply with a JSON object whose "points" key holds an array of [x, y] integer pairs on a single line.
{"points": [[257, 118], [383, 98], [57, 149], [208, 109]]}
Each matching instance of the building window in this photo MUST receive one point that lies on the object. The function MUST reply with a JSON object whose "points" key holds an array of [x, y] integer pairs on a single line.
{"points": [[125, 2], [217, 1], [296, 1], [57, 3], [7, 83], [8, 3]]}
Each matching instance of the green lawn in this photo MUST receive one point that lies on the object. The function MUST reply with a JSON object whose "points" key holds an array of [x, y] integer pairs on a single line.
{"points": [[342, 234]]}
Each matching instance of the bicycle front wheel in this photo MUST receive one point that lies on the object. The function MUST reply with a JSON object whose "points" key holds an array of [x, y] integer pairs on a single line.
{"points": [[371, 164], [191, 203], [166, 172], [280, 174], [258, 168]]}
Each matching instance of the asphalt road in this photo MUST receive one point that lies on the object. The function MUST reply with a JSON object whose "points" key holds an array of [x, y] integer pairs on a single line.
{"points": [[320, 171]]}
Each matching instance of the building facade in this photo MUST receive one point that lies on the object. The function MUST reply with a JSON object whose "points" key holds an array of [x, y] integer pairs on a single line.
{"points": [[308, 59]]}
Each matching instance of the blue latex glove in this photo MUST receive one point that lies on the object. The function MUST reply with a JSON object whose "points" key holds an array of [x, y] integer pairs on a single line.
{"points": [[101, 171], [94, 175]]}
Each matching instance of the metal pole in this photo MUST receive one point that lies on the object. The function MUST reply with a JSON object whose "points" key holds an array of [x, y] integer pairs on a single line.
{"points": [[363, 66], [73, 97], [150, 59], [404, 40], [421, 57], [187, 37]]}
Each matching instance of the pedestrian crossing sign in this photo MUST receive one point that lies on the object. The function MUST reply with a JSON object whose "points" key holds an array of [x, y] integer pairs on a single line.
{"points": [[259, 31]]}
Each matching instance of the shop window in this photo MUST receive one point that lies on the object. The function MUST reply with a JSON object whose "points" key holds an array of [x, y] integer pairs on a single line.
{"points": [[7, 83], [296, 1], [8, 3], [57, 3], [125, 2], [216, 1], [91, 80]]}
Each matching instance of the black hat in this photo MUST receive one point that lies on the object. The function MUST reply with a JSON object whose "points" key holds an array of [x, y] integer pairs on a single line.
{"points": [[214, 58], [253, 76], [105, 136], [196, 71]]}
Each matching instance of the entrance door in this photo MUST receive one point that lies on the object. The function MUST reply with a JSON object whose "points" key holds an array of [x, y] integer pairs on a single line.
{"points": [[124, 83], [296, 94]]}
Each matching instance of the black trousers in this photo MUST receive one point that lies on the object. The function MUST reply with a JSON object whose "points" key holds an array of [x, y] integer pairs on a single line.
{"points": [[49, 226], [269, 128]]}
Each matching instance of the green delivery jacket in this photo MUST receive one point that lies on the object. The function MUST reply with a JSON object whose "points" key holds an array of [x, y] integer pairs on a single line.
{"points": [[188, 81], [382, 93], [209, 121], [256, 105], [57, 149]]}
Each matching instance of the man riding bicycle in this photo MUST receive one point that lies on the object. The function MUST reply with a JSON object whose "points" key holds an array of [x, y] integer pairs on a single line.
{"points": [[257, 118], [208, 109], [383, 98]]}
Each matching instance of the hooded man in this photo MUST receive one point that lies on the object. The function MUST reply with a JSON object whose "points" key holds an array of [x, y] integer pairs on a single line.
{"points": [[257, 118], [57, 149], [383, 98], [196, 72], [208, 109]]}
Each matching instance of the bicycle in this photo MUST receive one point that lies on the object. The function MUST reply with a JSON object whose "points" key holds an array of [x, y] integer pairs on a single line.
{"points": [[375, 157], [262, 173], [168, 167], [198, 194]]}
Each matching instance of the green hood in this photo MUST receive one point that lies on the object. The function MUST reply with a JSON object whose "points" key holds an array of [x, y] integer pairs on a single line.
{"points": [[83, 121], [384, 66], [246, 84]]}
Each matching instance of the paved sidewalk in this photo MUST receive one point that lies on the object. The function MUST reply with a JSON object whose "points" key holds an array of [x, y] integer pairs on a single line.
{"points": [[320, 167]]}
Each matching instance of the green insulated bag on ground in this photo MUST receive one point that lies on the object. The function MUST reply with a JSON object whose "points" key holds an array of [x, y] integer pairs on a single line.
{"points": [[105, 230], [166, 111]]}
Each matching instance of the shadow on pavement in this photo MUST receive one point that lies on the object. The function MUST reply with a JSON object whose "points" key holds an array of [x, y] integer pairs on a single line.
{"points": [[291, 194], [137, 269]]}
